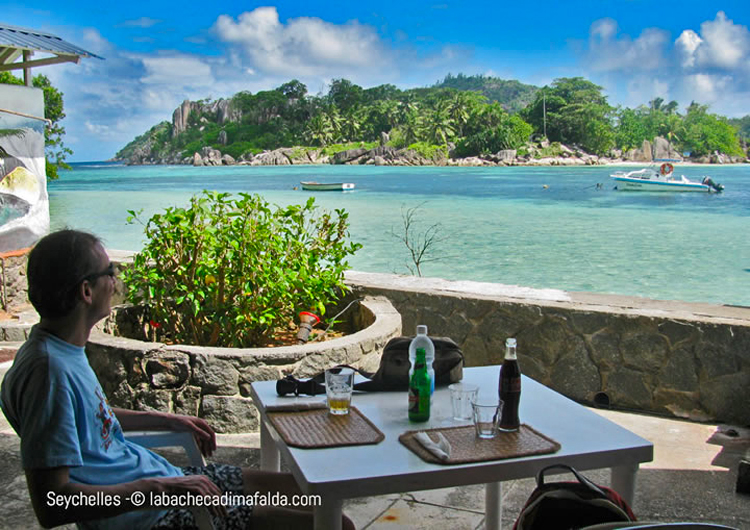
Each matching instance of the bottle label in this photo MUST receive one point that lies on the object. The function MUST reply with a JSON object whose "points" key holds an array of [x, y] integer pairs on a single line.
{"points": [[414, 400]]}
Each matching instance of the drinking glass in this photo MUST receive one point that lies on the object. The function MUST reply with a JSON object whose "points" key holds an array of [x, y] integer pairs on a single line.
{"points": [[463, 395], [486, 417], [339, 386]]}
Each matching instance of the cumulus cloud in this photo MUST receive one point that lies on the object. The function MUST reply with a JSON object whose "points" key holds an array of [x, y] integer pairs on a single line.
{"points": [[710, 66], [302, 46], [685, 46], [722, 44], [610, 52]]}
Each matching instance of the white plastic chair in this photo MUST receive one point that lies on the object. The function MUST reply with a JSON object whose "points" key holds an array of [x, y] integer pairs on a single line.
{"points": [[152, 439]]}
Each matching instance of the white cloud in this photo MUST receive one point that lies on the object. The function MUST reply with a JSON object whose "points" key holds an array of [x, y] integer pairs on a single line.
{"points": [[723, 44], [706, 88], [608, 52], [711, 66], [685, 47], [176, 70], [303, 46]]}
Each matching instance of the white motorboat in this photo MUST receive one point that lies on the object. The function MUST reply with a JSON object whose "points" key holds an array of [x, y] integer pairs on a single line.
{"points": [[661, 179], [310, 185]]}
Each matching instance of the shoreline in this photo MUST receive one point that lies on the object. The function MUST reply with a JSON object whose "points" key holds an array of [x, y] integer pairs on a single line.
{"points": [[626, 163]]}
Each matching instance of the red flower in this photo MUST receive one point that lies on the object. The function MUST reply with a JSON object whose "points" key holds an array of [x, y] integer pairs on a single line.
{"points": [[154, 324]]}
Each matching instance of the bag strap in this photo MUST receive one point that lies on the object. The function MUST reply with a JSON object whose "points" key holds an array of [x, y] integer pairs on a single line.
{"points": [[321, 377], [581, 479]]}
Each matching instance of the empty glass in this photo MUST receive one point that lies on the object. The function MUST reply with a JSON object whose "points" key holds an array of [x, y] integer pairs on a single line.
{"points": [[486, 417], [463, 395]]}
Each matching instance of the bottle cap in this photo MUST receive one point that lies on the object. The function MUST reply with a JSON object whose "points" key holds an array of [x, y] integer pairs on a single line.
{"points": [[421, 330], [510, 342]]}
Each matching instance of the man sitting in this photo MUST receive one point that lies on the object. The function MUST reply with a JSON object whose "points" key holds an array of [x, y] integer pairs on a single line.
{"points": [[72, 441]]}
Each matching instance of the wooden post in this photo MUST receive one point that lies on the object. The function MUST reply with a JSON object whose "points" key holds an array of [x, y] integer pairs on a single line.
{"points": [[27, 71]]}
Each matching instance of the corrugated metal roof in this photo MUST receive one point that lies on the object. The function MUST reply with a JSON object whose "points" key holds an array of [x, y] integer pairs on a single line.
{"points": [[31, 39]]}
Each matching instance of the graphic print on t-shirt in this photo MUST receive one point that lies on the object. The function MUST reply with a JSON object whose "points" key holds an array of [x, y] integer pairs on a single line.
{"points": [[105, 416]]}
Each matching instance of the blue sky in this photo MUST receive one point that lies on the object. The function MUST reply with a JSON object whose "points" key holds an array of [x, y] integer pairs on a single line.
{"points": [[161, 53]]}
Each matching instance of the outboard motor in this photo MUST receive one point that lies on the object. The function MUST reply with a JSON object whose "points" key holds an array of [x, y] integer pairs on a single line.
{"points": [[708, 181]]}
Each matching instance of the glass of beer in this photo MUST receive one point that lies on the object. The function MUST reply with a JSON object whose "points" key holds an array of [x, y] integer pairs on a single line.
{"points": [[339, 386]]}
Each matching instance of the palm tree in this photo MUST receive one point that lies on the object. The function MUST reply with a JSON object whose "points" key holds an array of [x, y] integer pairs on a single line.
{"points": [[439, 126], [461, 106], [319, 130]]}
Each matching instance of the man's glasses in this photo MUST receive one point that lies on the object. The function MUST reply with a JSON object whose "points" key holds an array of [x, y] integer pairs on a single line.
{"points": [[109, 271]]}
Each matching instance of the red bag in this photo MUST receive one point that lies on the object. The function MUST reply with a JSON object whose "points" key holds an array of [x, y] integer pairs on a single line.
{"points": [[569, 505]]}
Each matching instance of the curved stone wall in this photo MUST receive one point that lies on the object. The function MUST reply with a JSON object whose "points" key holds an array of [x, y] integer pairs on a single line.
{"points": [[214, 383], [682, 359]]}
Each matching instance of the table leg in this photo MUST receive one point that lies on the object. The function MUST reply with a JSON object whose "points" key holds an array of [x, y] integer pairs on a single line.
{"points": [[328, 514], [623, 482], [493, 505], [269, 453]]}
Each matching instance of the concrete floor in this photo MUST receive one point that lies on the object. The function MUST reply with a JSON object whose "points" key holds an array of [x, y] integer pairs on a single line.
{"points": [[692, 477]]}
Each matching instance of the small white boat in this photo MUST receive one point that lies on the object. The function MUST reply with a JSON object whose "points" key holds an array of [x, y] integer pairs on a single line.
{"points": [[661, 179], [311, 185]]}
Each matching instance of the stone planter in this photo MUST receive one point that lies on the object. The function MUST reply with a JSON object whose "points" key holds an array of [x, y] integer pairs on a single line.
{"points": [[214, 383]]}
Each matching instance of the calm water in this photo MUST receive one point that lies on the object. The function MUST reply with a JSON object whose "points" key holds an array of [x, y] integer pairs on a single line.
{"points": [[499, 224]]}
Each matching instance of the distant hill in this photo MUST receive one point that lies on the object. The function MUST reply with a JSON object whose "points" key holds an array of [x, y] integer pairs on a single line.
{"points": [[511, 94]]}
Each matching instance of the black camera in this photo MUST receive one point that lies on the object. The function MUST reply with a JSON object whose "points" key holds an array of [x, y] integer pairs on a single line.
{"points": [[292, 385]]}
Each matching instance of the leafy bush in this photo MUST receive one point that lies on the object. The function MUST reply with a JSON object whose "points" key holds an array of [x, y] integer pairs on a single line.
{"points": [[337, 148], [232, 271], [430, 151], [553, 150], [237, 149]]}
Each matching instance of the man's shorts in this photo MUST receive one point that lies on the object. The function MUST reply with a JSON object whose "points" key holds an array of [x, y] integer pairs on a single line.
{"points": [[228, 479]]}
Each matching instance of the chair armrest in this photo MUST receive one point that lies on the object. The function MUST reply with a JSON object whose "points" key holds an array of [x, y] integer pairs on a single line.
{"points": [[182, 439], [151, 439]]}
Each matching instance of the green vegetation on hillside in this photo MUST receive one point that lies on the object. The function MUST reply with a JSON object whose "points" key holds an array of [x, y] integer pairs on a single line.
{"points": [[466, 113], [511, 94]]}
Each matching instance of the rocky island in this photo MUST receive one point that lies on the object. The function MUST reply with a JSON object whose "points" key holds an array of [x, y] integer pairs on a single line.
{"points": [[463, 121]]}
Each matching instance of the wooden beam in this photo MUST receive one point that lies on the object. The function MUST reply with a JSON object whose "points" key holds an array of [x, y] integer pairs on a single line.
{"points": [[8, 55], [40, 62]]}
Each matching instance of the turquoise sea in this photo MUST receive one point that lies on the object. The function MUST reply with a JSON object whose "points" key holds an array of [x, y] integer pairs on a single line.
{"points": [[498, 224]]}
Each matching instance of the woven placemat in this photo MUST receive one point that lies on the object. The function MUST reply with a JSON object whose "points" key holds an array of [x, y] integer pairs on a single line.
{"points": [[466, 447], [317, 428]]}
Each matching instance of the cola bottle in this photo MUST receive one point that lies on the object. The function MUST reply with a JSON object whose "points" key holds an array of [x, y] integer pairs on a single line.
{"points": [[509, 388]]}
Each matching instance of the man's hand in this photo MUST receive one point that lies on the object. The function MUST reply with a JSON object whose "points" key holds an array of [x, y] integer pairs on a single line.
{"points": [[202, 431], [136, 420]]}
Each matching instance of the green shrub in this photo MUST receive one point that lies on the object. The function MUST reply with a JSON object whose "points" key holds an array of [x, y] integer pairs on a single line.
{"points": [[237, 149], [430, 151], [337, 148], [232, 271], [553, 150]]}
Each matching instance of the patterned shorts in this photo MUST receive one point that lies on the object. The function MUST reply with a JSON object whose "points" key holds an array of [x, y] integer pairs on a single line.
{"points": [[229, 479]]}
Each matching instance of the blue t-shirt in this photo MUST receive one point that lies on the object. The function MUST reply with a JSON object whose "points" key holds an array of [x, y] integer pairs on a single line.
{"points": [[53, 400]]}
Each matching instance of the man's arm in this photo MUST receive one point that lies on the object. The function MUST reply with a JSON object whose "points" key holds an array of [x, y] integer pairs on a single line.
{"points": [[135, 420], [49, 489]]}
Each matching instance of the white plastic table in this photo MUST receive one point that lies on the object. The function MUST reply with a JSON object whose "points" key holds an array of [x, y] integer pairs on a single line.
{"points": [[588, 441]]}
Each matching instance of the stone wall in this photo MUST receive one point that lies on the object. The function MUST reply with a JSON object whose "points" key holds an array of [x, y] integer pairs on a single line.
{"points": [[214, 383], [685, 360], [13, 280]]}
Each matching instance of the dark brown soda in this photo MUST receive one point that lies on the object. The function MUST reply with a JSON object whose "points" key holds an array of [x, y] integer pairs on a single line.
{"points": [[509, 389]]}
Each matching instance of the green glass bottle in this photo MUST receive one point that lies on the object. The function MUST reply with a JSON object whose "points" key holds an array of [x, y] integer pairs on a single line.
{"points": [[419, 389]]}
